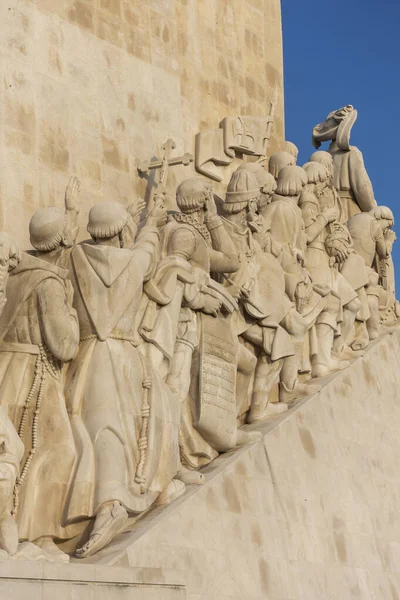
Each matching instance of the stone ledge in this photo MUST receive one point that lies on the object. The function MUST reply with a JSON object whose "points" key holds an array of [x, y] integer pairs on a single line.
{"points": [[80, 573]]}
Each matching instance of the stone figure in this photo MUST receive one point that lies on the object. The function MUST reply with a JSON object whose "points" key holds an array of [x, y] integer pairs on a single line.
{"points": [[125, 419], [53, 231], [279, 160], [267, 319], [11, 446], [38, 333], [288, 228], [372, 239], [320, 223], [350, 177], [291, 148], [329, 196], [208, 396]]}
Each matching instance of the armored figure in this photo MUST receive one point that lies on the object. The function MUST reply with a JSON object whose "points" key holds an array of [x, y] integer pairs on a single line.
{"points": [[372, 240], [320, 225], [288, 228], [205, 333], [267, 318]]}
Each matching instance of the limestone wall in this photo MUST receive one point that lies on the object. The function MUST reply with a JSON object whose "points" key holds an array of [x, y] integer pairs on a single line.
{"points": [[20, 580], [92, 87], [311, 512]]}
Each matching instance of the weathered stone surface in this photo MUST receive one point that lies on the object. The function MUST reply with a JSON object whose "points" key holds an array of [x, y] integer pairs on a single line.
{"points": [[94, 87], [20, 580], [309, 512]]}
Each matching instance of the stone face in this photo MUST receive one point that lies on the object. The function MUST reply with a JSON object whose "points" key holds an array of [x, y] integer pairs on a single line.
{"points": [[308, 512], [94, 88]]}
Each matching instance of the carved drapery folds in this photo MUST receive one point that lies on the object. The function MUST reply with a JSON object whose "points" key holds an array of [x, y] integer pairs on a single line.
{"points": [[132, 359]]}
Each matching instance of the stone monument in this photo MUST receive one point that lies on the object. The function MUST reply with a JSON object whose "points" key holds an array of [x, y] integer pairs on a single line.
{"points": [[198, 337]]}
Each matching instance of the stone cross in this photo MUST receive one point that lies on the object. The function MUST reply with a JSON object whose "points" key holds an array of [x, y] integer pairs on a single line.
{"points": [[166, 161]]}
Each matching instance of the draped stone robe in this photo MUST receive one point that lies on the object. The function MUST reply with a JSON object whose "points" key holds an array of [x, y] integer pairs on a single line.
{"points": [[114, 397], [39, 328]]}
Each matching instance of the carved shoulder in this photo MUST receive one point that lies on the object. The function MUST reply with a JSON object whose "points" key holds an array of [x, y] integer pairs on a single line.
{"points": [[182, 241]]}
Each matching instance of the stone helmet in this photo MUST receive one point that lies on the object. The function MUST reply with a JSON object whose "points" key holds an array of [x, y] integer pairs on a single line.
{"points": [[47, 228], [107, 219], [242, 187], [265, 180]]}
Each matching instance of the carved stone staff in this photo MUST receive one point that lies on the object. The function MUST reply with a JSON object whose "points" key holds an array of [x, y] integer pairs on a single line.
{"points": [[162, 166], [272, 106]]}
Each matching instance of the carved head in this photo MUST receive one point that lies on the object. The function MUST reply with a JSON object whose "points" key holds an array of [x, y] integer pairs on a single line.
{"points": [[323, 158], [278, 161], [243, 192], [384, 215], [265, 180], [47, 229], [107, 220], [291, 181], [192, 194], [317, 175], [337, 126], [292, 149]]}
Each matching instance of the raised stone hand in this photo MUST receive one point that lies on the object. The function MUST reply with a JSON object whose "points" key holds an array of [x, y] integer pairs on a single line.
{"points": [[10, 254], [157, 216], [210, 208], [135, 209], [72, 210], [72, 195]]}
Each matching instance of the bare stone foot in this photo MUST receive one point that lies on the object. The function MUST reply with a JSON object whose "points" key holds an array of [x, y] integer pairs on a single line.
{"points": [[247, 437], [8, 534], [190, 477], [51, 550], [174, 490], [109, 522]]}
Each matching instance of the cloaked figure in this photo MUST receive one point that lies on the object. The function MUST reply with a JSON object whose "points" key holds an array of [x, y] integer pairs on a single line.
{"points": [[350, 177], [39, 332], [125, 419]]}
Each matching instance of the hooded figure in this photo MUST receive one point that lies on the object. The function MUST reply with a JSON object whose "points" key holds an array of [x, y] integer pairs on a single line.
{"points": [[350, 177], [125, 419], [38, 333]]}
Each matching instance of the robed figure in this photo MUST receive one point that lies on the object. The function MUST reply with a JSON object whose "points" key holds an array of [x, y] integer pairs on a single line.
{"points": [[38, 333], [125, 419]]}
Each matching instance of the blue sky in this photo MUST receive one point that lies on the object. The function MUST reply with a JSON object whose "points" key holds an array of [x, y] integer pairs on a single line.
{"points": [[347, 52]]}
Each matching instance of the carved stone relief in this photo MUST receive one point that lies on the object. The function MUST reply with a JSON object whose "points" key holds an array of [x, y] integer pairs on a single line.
{"points": [[131, 360]]}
